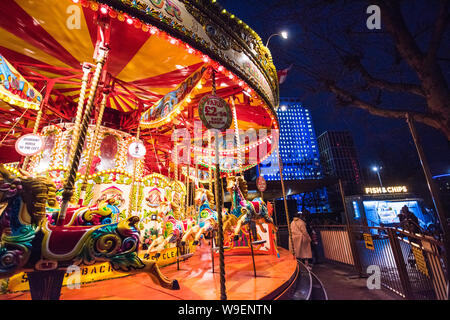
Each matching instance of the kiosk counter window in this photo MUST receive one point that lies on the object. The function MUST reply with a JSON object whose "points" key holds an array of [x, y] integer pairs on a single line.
{"points": [[384, 212]]}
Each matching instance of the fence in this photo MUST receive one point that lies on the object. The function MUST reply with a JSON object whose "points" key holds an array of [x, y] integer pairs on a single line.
{"points": [[410, 265]]}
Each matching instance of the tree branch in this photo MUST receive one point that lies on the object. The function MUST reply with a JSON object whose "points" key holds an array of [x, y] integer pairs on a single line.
{"points": [[404, 41], [426, 118], [355, 63], [439, 30], [432, 79]]}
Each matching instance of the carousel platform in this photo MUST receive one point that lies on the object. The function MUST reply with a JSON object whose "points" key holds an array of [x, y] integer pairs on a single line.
{"points": [[275, 279]]}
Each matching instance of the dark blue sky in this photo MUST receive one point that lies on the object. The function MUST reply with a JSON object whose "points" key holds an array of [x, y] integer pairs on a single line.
{"points": [[378, 140]]}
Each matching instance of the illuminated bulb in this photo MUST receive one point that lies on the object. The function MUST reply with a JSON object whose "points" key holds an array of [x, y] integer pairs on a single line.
{"points": [[104, 10], [199, 86], [129, 20]]}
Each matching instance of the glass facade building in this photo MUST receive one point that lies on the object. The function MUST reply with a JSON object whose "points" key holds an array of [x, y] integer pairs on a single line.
{"points": [[339, 159], [299, 154]]}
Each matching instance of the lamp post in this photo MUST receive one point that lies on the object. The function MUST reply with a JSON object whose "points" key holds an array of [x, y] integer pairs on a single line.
{"points": [[377, 170], [283, 34]]}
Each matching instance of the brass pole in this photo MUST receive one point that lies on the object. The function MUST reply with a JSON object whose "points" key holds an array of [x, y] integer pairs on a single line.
{"points": [[175, 163], [197, 179], [93, 147], [280, 166], [69, 185], [188, 187], [219, 204], [79, 115], [250, 240], [259, 173], [210, 171], [133, 180], [223, 293], [237, 137]]}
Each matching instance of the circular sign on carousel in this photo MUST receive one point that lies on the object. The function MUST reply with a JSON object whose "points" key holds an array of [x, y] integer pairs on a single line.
{"points": [[137, 150], [29, 144], [261, 184], [215, 112]]}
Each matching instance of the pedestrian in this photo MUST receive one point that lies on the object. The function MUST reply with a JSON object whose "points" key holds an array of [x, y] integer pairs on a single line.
{"points": [[409, 221], [301, 240], [402, 216]]}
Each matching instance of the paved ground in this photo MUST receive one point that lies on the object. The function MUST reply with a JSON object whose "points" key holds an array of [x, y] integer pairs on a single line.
{"points": [[341, 284]]}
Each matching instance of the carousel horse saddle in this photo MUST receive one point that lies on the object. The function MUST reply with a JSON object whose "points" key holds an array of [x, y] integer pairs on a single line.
{"points": [[256, 205], [69, 215], [65, 241]]}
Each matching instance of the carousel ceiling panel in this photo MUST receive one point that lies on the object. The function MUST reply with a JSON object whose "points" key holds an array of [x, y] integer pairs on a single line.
{"points": [[56, 18], [125, 41], [17, 49], [156, 57], [30, 29], [168, 80]]}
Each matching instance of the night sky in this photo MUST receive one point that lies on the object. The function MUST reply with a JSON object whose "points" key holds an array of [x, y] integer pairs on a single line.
{"points": [[378, 140]]}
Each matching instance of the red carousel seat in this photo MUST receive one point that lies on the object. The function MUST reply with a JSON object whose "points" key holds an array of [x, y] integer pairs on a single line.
{"points": [[69, 214], [256, 206], [63, 240]]}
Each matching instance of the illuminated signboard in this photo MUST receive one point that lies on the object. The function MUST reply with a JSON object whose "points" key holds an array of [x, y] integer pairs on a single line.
{"points": [[383, 190]]}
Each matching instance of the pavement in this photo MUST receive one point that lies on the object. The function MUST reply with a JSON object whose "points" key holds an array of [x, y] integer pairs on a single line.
{"points": [[342, 283]]}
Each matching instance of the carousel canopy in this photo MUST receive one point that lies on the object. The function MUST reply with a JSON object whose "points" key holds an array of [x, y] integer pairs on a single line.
{"points": [[160, 52]]}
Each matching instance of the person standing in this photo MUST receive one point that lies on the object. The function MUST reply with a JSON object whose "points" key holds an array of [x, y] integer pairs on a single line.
{"points": [[301, 240]]}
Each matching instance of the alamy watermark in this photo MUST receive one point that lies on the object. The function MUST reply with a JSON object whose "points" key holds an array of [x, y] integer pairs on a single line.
{"points": [[374, 279], [73, 21], [74, 278], [373, 22], [248, 147]]}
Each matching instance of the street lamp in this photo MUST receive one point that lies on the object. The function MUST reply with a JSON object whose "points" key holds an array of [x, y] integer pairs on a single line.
{"points": [[377, 170], [283, 34]]}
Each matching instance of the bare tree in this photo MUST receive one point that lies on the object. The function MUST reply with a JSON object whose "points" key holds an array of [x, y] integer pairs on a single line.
{"points": [[403, 67]]}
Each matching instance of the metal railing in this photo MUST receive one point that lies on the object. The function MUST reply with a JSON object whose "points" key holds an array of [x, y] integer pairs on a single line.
{"points": [[337, 244], [410, 265]]}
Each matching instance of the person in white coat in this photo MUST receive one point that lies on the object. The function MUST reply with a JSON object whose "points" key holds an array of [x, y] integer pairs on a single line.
{"points": [[300, 239]]}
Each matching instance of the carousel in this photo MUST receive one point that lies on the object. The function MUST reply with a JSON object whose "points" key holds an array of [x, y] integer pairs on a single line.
{"points": [[123, 126]]}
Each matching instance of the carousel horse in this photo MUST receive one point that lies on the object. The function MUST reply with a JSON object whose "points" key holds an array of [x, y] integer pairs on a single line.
{"points": [[206, 217], [175, 229], [105, 212], [155, 230], [30, 243], [244, 211], [171, 231]]}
